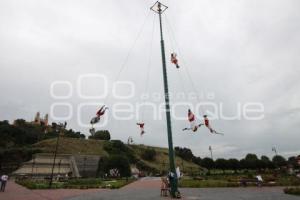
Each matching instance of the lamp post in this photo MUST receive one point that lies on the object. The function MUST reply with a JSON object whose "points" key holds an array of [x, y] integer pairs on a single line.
{"points": [[211, 155], [275, 151], [60, 127]]}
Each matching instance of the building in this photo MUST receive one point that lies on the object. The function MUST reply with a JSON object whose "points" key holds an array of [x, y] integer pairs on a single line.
{"points": [[40, 121], [65, 165]]}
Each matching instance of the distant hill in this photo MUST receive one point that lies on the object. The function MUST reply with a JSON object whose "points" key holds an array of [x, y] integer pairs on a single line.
{"points": [[23, 139], [97, 147], [17, 140]]}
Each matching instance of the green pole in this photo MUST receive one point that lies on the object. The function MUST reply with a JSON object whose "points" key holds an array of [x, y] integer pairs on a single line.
{"points": [[173, 181]]}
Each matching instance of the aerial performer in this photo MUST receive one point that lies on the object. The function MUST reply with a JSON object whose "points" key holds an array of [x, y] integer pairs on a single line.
{"points": [[99, 113], [193, 126], [174, 60], [141, 125], [207, 124]]}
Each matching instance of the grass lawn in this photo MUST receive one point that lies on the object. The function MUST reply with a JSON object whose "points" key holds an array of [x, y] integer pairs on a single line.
{"points": [[76, 184], [189, 183], [234, 181]]}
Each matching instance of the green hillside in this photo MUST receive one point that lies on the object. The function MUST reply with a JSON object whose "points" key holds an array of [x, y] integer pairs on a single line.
{"points": [[73, 146], [97, 147]]}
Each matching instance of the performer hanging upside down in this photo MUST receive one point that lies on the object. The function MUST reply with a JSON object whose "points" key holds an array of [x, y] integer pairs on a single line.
{"points": [[191, 118], [99, 113], [207, 124], [92, 131], [174, 60], [141, 125]]}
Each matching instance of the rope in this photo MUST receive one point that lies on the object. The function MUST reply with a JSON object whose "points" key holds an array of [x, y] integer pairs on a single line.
{"points": [[178, 71], [185, 64], [126, 60], [149, 65], [130, 50], [132, 47]]}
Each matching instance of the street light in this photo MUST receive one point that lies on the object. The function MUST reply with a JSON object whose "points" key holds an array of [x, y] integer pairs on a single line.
{"points": [[57, 128]]}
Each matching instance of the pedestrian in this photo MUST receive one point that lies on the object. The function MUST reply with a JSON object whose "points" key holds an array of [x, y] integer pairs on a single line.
{"points": [[4, 179], [164, 187]]}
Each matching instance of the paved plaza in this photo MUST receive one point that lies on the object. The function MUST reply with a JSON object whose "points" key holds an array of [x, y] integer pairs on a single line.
{"points": [[147, 188]]}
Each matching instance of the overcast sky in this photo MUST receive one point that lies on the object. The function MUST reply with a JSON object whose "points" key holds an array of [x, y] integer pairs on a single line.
{"points": [[237, 51]]}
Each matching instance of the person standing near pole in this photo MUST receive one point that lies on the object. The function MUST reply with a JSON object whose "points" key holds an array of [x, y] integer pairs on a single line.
{"points": [[4, 179]]}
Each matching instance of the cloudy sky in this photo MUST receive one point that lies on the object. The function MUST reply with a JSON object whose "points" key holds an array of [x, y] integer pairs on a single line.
{"points": [[231, 53]]}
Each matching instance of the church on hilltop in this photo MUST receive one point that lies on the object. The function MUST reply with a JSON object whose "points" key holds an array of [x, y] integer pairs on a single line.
{"points": [[40, 121]]}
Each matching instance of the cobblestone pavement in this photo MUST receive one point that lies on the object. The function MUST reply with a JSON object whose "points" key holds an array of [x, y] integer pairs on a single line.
{"points": [[148, 188], [193, 194], [14, 191]]}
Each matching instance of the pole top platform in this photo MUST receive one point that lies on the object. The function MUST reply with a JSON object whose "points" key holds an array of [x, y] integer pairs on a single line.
{"points": [[159, 7]]}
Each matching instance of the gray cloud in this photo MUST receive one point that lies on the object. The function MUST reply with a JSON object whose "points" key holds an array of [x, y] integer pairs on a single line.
{"points": [[242, 51]]}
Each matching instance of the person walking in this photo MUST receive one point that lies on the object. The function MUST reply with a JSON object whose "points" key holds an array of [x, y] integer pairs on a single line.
{"points": [[4, 179]]}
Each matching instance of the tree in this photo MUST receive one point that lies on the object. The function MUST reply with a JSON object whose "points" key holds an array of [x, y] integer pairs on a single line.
{"points": [[207, 163], [184, 153], [233, 164], [149, 154], [197, 160], [20, 122], [221, 163], [279, 161], [101, 135], [72, 134], [293, 161], [119, 162], [266, 162], [251, 161], [117, 147], [102, 166], [4, 122]]}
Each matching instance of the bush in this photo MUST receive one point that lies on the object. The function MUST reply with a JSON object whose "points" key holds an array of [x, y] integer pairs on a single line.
{"points": [[184, 153], [88, 181], [31, 184], [116, 147], [119, 162], [206, 183], [294, 191], [101, 135], [143, 167], [149, 154]]}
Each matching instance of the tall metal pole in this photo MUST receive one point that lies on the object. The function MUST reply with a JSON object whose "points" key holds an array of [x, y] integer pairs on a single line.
{"points": [[173, 175]]}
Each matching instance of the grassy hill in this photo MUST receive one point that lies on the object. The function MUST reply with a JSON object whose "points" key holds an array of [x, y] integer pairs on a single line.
{"points": [[73, 146], [96, 147]]}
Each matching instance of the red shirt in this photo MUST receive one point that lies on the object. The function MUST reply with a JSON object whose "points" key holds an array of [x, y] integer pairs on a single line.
{"points": [[206, 122], [141, 125], [191, 116]]}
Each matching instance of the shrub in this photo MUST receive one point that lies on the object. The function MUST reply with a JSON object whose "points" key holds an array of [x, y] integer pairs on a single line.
{"points": [[294, 191], [119, 162], [116, 147], [101, 135], [149, 154]]}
